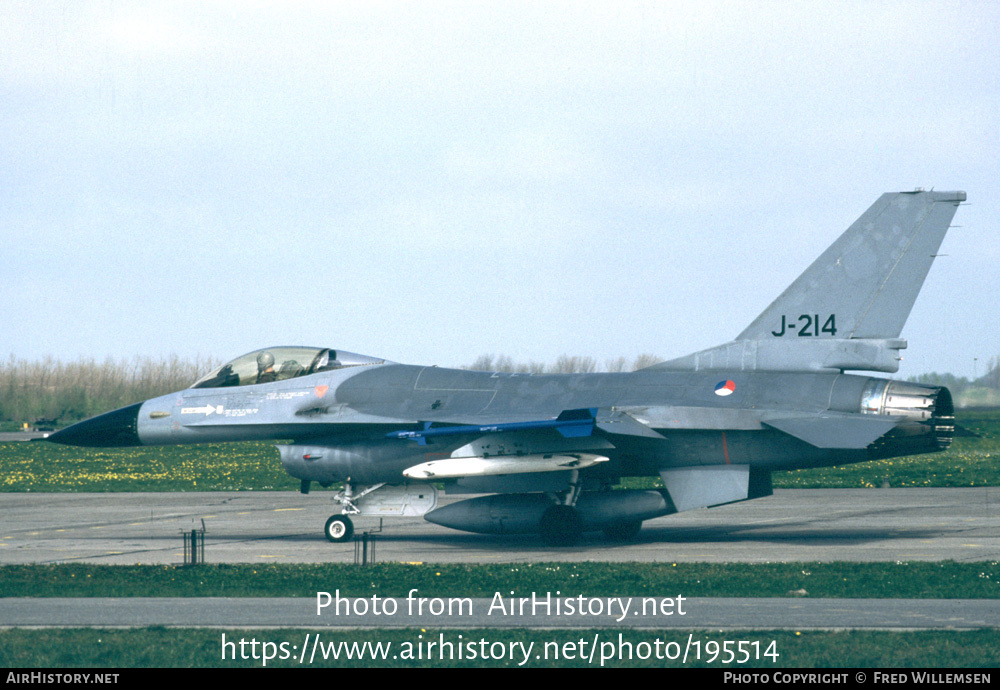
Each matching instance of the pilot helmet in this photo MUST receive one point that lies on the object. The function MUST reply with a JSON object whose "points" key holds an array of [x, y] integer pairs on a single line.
{"points": [[265, 360]]}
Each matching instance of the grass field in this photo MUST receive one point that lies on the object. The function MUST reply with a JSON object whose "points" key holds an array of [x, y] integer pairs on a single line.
{"points": [[903, 580], [49, 467], [255, 466], [197, 648]]}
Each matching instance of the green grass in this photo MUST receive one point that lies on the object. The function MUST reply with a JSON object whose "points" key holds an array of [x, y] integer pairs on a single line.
{"points": [[49, 467], [942, 580], [195, 648]]}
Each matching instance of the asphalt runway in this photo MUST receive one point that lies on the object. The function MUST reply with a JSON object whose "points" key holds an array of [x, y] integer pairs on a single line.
{"points": [[285, 527]]}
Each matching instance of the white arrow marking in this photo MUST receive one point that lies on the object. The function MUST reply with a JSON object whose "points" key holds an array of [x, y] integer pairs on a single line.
{"points": [[206, 410]]}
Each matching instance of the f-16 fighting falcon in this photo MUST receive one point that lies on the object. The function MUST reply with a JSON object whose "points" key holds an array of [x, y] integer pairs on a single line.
{"points": [[547, 449]]}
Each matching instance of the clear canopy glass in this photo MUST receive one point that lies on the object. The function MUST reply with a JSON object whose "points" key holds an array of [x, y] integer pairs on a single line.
{"points": [[279, 364]]}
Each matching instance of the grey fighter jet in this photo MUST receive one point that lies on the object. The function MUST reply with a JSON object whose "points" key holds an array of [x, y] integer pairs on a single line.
{"points": [[547, 449]]}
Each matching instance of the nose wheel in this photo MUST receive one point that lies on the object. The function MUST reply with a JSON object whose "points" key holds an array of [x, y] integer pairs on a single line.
{"points": [[339, 528]]}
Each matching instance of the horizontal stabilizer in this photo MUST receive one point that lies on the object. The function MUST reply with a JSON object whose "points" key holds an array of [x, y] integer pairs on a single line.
{"points": [[455, 468], [834, 431]]}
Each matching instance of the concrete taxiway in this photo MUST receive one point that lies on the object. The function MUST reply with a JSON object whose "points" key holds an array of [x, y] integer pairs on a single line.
{"points": [[255, 527]]}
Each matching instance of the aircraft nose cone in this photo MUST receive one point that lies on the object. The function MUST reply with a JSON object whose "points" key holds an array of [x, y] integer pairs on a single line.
{"points": [[116, 428]]}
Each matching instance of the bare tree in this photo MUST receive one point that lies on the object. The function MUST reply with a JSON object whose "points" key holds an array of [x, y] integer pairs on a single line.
{"points": [[645, 360], [616, 365], [482, 363], [574, 364]]}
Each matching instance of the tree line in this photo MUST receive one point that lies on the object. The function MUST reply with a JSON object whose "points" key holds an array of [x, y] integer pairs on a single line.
{"points": [[65, 392], [979, 391]]}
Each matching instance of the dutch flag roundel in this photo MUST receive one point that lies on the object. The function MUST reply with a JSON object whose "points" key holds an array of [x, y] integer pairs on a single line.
{"points": [[725, 388]]}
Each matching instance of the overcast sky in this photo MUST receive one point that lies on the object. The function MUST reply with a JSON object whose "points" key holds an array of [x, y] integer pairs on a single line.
{"points": [[429, 182]]}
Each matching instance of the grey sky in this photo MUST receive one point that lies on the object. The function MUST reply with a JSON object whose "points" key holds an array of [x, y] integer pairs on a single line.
{"points": [[428, 182]]}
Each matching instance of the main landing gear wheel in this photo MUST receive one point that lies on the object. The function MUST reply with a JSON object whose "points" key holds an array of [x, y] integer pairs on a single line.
{"points": [[339, 528], [561, 526], [623, 531]]}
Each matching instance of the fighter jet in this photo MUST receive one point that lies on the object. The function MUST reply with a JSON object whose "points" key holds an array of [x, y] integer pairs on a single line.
{"points": [[547, 449]]}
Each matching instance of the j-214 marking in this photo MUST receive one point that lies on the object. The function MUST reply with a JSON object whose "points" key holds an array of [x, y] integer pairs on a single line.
{"points": [[808, 325]]}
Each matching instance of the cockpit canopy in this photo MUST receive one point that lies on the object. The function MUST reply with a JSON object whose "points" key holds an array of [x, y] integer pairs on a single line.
{"points": [[279, 364]]}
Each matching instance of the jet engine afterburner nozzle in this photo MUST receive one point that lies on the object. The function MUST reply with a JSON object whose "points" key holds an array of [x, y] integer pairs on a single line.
{"points": [[929, 413]]}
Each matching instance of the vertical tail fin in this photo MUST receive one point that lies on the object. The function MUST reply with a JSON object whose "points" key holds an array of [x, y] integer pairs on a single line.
{"points": [[847, 309], [865, 284]]}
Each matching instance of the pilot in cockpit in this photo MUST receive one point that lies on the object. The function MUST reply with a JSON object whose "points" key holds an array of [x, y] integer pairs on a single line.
{"points": [[265, 368]]}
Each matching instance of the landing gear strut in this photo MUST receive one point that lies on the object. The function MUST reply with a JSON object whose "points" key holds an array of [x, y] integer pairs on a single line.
{"points": [[339, 527], [561, 524], [378, 500]]}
